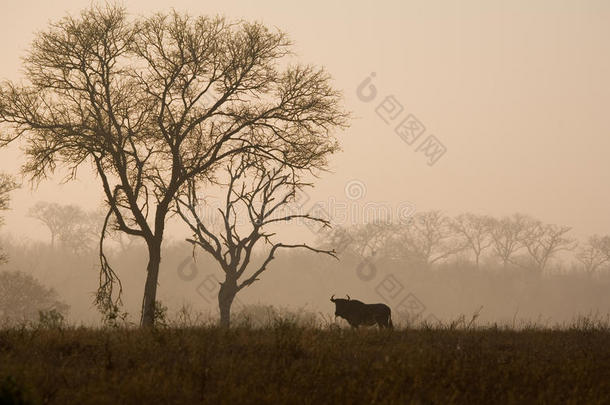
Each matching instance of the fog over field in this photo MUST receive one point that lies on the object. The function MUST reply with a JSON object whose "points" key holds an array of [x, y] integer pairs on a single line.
{"points": [[463, 127]]}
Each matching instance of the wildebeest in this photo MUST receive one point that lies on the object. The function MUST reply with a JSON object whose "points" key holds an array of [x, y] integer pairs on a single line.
{"points": [[358, 313]]}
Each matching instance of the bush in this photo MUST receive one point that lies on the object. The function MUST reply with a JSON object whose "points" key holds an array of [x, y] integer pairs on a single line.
{"points": [[260, 316], [22, 298]]}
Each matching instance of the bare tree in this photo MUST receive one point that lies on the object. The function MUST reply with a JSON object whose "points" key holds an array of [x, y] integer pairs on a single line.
{"points": [[258, 196], [50, 216], [157, 103], [507, 236], [476, 232], [70, 224], [371, 238], [543, 242], [595, 253], [426, 238]]}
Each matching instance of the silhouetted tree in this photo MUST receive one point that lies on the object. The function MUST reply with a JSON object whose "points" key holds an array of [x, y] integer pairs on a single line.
{"points": [[157, 103], [258, 197]]}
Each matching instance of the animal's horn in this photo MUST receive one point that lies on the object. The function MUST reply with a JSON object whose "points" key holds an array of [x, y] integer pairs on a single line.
{"points": [[348, 298], [332, 299]]}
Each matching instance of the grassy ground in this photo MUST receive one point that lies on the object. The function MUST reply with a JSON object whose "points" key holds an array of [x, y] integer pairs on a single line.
{"points": [[290, 364]]}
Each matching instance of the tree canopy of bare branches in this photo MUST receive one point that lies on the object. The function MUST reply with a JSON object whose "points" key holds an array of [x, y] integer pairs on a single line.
{"points": [[258, 197], [156, 103]]}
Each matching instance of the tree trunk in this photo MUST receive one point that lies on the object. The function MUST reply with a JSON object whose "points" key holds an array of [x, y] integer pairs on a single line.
{"points": [[150, 288], [226, 295]]}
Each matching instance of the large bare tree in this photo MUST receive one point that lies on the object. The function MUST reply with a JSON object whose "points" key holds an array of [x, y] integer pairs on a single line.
{"points": [[258, 197], [155, 103]]}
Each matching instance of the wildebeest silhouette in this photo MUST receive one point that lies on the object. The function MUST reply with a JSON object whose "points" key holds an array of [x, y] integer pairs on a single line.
{"points": [[358, 313]]}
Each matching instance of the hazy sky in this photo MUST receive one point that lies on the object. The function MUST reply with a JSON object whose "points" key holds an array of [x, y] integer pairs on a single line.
{"points": [[516, 91]]}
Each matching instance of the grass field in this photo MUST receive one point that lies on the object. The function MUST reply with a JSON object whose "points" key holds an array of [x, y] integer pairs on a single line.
{"points": [[285, 363]]}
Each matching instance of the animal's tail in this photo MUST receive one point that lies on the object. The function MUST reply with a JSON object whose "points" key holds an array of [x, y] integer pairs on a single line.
{"points": [[390, 324]]}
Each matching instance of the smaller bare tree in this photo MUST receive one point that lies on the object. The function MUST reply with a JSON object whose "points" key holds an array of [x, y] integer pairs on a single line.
{"points": [[258, 196], [595, 253]]}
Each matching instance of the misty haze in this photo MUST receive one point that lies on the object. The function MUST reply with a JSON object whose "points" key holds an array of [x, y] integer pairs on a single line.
{"points": [[397, 202]]}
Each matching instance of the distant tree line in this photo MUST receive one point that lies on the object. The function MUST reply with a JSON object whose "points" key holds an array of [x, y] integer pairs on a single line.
{"points": [[75, 229], [431, 237]]}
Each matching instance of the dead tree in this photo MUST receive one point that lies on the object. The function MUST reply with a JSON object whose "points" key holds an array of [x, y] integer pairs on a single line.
{"points": [[154, 104], [258, 197]]}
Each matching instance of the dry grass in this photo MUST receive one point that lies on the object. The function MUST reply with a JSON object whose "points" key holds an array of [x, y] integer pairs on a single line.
{"points": [[287, 363]]}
